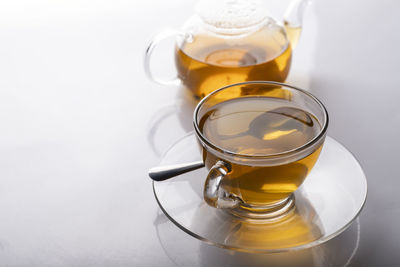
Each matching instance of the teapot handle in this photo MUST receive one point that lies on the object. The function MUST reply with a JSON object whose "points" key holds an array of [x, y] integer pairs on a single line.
{"points": [[167, 33]]}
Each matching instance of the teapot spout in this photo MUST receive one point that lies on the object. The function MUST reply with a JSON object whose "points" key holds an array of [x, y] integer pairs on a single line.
{"points": [[293, 20]]}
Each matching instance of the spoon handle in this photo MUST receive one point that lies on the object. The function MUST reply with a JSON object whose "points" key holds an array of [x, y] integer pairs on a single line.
{"points": [[162, 173]]}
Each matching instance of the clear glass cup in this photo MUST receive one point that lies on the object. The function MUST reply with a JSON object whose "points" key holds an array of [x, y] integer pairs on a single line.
{"points": [[231, 174]]}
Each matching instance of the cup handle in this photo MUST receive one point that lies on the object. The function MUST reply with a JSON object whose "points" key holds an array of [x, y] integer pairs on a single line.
{"points": [[167, 33], [214, 193]]}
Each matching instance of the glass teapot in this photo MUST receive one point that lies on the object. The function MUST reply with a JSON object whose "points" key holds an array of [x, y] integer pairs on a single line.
{"points": [[230, 41]]}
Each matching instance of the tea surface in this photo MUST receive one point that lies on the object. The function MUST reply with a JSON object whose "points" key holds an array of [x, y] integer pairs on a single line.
{"points": [[258, 126]]}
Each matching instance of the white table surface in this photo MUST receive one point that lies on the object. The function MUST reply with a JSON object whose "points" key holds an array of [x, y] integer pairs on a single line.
{"points": [[80, 125]]}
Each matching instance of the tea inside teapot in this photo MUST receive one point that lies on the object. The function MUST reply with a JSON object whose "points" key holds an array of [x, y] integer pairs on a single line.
{"points": [[231, 41]]}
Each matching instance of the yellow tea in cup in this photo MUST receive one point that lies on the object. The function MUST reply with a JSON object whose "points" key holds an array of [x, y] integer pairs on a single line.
{"points": [[256, 126]]}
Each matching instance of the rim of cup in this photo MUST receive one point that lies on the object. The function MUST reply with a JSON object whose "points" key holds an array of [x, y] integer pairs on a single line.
{"points": [[290, 152]]}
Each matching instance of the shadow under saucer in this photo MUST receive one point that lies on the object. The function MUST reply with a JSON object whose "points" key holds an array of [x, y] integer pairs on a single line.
{"points": [[185, 251]]}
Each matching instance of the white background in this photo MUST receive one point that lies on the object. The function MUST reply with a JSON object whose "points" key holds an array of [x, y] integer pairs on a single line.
{"points": [[80, 124]]}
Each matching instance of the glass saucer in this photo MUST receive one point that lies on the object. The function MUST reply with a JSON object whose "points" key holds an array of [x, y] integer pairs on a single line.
{"points": [[331, 197]]}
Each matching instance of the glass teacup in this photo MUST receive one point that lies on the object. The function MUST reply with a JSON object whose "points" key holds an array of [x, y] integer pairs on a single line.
{"points": [[259, 141]]}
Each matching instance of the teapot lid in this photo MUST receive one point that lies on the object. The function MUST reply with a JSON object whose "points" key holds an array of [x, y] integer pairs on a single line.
{"points": [[232, 17]]}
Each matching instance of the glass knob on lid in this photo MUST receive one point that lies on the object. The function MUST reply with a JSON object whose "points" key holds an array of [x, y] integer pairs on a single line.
{"points": [[232, 17]]}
